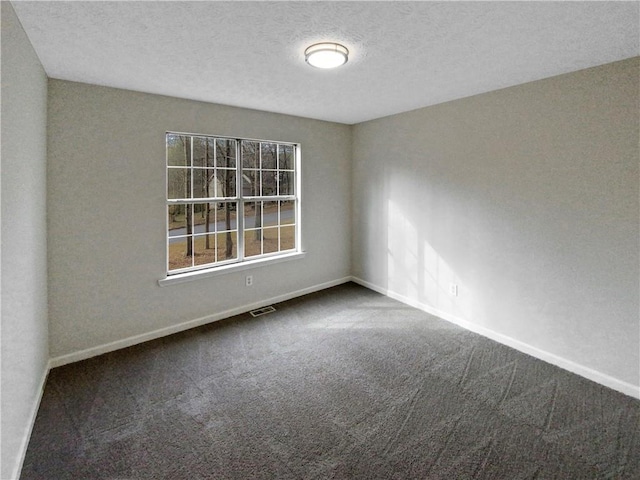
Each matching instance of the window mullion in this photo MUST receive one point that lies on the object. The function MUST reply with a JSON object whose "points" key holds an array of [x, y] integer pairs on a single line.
{"points": [[277, 169], [215, 170], [240, 195], [193, 209], [260, 169], [273, 198], [182, 201], [215, 223]]}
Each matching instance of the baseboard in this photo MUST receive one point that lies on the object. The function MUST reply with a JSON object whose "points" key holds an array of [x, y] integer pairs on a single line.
{"points": [[573, 367], [163, 332], [24, 444]]}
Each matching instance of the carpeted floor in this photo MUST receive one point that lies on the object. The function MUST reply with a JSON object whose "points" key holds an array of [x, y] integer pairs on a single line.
{"points": [[343, 383]]}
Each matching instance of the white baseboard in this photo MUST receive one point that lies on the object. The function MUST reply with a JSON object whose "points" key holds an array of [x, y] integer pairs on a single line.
{"points": [[163, 332], [24, 443], [573, 367]]}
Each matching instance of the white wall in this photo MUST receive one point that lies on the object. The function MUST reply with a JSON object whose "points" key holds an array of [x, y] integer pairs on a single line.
{"points": [[106, 201], [24, 243], [527, 198]]}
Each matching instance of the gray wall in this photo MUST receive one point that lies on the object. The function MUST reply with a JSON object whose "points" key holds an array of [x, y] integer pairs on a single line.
{"points": [[106, 200], [527, 198], [24, 242]]}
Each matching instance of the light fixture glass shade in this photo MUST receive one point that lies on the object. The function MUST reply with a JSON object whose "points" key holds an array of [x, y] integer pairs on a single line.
{"points": [[326, 55]]}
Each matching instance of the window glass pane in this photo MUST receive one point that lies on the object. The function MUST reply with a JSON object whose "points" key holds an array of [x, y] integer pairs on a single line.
{"points": [[203, 183], [287, 212], [188, 212], [225, 152], [252, 214], [178, 183], [226, 216], [269, 182], [227, 244], [270, 214], [225, 182], [204, 247], [250, 154], [287, 183], [216, 210], [210, 214], [270, 240], [203, 152], [251, 183], [287, 237], [179, 253], [252, 242], [285, 157], [269, 155], [176, 155], [177, 220], [203, 220]]}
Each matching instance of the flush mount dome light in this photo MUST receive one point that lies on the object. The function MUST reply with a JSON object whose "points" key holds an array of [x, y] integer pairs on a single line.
{"points": [[326, 55]]}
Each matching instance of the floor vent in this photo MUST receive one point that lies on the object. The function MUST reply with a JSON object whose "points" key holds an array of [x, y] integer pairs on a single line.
{"points": [[262, 311]]}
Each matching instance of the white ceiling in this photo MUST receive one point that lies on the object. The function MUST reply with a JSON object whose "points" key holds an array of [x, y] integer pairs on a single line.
{"points": [[404, 55]]}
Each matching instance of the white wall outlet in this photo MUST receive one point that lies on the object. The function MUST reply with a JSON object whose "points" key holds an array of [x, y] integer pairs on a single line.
{"points": [[248, 281], [453, 289]]}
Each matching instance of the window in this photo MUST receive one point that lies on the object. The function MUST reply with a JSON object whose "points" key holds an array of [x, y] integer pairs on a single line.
{"points": [[229, 200]]}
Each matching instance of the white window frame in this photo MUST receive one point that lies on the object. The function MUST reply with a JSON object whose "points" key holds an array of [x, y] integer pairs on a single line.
{"points": [[240, 262]]}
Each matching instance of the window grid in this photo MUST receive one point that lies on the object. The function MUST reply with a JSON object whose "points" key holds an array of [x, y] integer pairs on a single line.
{"points": [[211, 236]]}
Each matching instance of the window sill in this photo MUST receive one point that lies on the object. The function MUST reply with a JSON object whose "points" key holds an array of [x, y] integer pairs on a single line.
{"points": [[234, 267]]}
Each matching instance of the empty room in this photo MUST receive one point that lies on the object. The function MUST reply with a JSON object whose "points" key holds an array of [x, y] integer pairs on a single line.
{"points": [[315, 240]]}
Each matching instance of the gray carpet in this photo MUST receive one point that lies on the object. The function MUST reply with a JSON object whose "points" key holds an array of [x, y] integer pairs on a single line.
{"points": [[343, 383]]}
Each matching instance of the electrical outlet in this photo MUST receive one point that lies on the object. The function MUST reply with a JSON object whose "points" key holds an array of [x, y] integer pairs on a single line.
{"points": [[453, 289], [248, 281]]}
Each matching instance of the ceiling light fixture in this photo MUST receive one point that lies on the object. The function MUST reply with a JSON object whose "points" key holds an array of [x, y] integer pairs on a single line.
{"points": [[326, 55]]}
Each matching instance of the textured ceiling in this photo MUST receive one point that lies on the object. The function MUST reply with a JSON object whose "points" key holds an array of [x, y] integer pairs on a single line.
{"points": [[404, 55]]}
